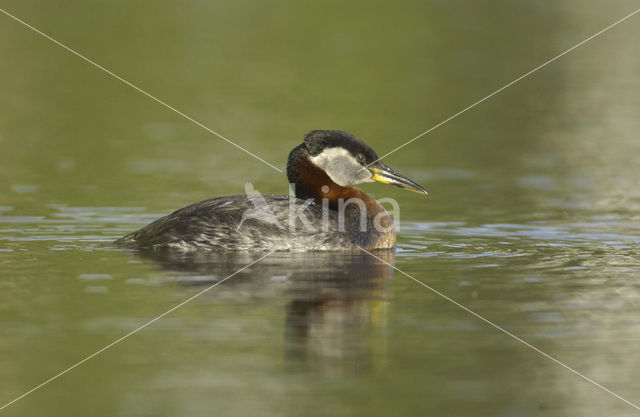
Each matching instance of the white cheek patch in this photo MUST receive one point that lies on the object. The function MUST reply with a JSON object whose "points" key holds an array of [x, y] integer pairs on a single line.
{"points": [[341, 166]]}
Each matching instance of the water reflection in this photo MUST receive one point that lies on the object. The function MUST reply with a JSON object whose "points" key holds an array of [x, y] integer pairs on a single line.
{"points": [[335, 302]]}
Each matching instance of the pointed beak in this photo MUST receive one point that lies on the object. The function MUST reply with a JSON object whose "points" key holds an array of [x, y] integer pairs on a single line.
{"points": [[384, 174]]}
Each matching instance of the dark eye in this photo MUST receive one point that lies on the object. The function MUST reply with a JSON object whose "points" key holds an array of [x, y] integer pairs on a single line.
{"points": [[361, 158]]}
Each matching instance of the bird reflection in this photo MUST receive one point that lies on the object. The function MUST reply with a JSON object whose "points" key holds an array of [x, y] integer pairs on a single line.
{"points": [[335, 302]]}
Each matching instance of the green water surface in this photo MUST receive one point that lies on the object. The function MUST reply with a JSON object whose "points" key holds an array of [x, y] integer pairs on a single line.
{"points": [[533, 221]]}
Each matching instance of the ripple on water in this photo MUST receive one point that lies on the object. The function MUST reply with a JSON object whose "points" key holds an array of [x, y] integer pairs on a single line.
{"points": [[73, 228]]}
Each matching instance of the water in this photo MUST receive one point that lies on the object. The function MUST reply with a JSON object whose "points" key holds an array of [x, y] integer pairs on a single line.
{"points": [[532, 220]]}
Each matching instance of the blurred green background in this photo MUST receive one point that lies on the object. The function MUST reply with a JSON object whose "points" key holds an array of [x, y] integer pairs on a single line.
{"points": [[533, 218]]}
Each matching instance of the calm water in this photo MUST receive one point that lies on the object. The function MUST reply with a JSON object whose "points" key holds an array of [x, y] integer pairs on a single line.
{"points": [[533, 219]]}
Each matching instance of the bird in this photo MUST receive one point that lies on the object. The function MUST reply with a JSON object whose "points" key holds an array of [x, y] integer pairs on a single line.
{"points": [[261, 208], [324, 212]]}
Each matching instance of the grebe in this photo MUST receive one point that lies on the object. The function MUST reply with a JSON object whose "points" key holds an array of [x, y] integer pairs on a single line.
{"points": [[327, 212]]}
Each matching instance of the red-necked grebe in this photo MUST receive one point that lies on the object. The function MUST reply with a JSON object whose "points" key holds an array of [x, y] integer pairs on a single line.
{"points": [[327, 212]]}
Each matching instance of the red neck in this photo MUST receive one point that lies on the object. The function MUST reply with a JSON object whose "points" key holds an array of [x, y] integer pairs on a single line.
{"points": [[313, 182]]}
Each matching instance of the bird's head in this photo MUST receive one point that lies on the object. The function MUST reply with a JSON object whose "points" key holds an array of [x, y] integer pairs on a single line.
{"points": [[348, 161]]}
